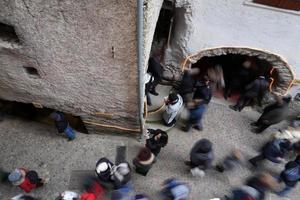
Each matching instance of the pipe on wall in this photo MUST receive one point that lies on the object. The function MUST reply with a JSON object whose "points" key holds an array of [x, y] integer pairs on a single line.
{"points": [[140, 56]]}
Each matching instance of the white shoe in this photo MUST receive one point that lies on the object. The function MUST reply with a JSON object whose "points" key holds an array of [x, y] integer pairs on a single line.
{"points": [[197, 172]]}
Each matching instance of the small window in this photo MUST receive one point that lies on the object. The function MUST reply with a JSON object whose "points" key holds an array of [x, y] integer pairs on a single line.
{"points": [[284, 4], [8, 34], [31, 72]]}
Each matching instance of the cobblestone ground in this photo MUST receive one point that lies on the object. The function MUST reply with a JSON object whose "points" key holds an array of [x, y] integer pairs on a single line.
{"points": [[37, 146]]}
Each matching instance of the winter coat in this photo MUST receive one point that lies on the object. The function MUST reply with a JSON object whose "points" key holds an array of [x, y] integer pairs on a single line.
{"points": [[155, 68], [87, 196], [274, 113], [106, 175], [27, 185], [291, 173], [172, 110], [272, 150], [176, 190], [121, 174], [154, 145], [200, 157], [123, 193], [257, 88], [204, 93], [142, 167]]}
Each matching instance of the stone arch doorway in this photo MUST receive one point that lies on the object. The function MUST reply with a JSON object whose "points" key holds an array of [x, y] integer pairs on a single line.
{"points": [[279, 69]]}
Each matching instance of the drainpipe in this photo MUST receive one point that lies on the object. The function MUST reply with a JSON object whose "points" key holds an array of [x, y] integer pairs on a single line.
{"points": [[140, 56]]}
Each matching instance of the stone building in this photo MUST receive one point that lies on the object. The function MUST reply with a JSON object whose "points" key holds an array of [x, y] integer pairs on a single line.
{"points": [[80, 57]]}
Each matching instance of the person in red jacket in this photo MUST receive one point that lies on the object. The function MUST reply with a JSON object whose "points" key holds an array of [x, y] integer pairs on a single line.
{"points": [[25, 179]]}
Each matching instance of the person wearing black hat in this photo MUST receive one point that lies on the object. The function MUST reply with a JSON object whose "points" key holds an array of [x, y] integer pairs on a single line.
{"points": [[173, 103], [289, 176], [143, 161], [273, 151], [104, 170], [255, 89], [272, 114], [201, 156], [157, 139]]}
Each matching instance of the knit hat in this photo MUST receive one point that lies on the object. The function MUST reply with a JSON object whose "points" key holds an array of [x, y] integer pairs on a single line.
{"points": [[102, 167], [16, 177], [205, 145], [55, 116], [144, 154], [173, 98]]}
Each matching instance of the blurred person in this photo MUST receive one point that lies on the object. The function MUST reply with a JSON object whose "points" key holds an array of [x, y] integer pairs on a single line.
{"points": [[63, 125], [230, 162], [175, 190]]}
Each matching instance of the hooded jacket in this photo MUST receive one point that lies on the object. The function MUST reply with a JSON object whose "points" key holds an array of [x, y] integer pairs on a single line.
{"points": [[202, 154]]}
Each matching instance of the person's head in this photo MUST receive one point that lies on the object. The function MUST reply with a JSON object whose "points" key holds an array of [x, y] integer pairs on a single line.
{"points": [[16, 177], [206, 80], [55, 116], [145, 154], [103, 166], [247, 64], [205, 145], [173, 98]]}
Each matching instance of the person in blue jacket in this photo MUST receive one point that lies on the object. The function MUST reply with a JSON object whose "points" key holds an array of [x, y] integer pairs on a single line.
{"points": [[273, 151]]}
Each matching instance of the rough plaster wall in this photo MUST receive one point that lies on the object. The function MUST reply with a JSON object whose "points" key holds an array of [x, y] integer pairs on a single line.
{"points": [[181, 32], [70, 44], [231, 23], [151, 14]]}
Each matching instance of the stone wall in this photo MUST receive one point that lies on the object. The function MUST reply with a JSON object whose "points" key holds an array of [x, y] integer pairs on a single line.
{"points": [[84, 53], [205, 24]]}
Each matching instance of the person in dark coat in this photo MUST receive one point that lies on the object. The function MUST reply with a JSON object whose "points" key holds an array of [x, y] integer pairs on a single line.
{"points": [[62, 125], [157, 139], [201, 157], [255, 89], [255, 188], [290, 176], [272, 114], [198, 106], [121, 175], [25, 179], [103, 170], [156, 71], [143, 161], [273, 151], [187, 83], [175, 190]]}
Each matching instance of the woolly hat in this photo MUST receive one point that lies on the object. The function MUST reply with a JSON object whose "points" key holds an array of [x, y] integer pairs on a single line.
{"points": [[102, 167], [144, 154], [16, 177], [55, 116], [205, 145], [173, 98]]}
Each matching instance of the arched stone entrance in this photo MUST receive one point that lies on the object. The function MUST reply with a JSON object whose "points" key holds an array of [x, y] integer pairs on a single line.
{"points": [[285, 73]]}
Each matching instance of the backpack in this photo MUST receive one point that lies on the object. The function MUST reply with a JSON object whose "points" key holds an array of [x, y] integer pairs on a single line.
{"points": [[292, 174]]}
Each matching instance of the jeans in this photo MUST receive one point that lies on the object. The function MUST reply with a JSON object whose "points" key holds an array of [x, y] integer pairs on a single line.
{"points": [[195, 118], [69, 133]]}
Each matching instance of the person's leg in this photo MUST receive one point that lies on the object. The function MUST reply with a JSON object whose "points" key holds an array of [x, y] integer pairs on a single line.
{"points": [[70, 133], [188, 126], [256, 159], [153, 86], [198, 124]]}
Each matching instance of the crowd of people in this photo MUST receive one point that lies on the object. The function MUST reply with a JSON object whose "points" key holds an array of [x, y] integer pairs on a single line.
{"points": [[196, 95]]}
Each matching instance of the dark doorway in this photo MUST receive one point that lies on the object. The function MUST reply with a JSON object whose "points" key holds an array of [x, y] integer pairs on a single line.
{"points": [[163, 29], [31, 113], [238, 71]]}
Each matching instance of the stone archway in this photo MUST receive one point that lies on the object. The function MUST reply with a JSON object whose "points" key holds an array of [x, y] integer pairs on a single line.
{"points": [[284, 70]]}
